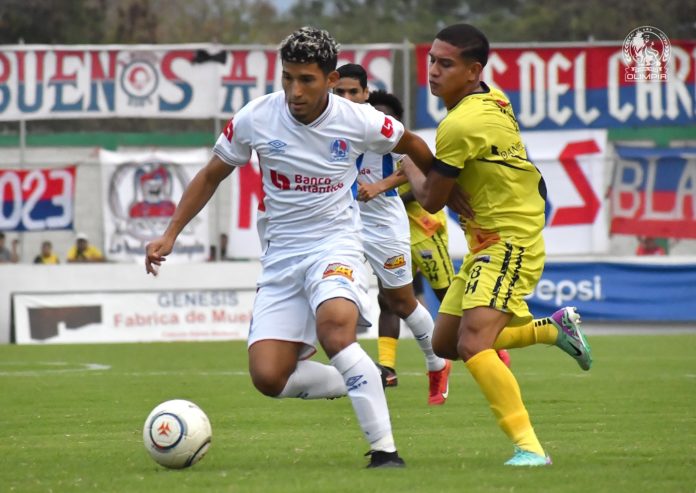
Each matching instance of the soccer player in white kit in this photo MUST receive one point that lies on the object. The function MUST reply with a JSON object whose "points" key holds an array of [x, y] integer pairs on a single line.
{"points": [[314, 283], [387, 240]]}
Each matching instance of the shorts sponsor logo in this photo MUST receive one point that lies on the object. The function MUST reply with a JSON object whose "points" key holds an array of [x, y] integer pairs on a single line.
{"points": [[483, 258], [395, 262], [338, 269]]}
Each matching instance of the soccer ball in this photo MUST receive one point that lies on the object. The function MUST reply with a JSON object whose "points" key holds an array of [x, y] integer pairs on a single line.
{"points": [[177, 434]]}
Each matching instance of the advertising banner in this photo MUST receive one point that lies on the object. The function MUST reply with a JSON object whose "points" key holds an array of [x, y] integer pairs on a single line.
{"points": [[556, 86], [141, 191], [661, 292], [37, 199], [152, 81], [653, 192], [134, 316]]}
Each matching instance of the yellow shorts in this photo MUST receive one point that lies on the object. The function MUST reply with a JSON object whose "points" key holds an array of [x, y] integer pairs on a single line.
{"points": [[498, 277], [431, 257]]}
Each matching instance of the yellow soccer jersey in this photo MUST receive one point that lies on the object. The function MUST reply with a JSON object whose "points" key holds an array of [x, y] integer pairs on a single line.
{"points": [[423, 224], [479, 142]]}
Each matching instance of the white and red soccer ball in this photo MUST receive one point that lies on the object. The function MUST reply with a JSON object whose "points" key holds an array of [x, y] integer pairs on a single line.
{"points": [[177, 434]]}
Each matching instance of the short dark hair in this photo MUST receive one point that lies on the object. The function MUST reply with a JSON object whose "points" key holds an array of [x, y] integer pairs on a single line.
{"points": [[354, 71], [2, 235], [472, 42], [310, 45], [387, 99]]}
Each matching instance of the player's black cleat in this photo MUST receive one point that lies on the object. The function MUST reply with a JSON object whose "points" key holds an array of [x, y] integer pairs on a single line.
{"points": [[388, 376], [379, 458]]}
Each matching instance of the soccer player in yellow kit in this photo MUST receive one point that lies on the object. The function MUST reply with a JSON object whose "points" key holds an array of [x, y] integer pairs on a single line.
{"points": [[479, 149]]}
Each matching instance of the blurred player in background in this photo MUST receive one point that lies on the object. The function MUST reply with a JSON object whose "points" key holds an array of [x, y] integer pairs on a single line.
{"points": [[428, 249], [387, 242], [314, 282], [479, 150]]}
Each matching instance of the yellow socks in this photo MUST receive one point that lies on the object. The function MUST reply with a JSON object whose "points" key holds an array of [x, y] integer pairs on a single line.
{"points": [[386, 349], [500, 388], [538, 331]]}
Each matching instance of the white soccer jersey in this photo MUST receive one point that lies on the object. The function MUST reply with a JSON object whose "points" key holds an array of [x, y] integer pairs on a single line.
{"points": [[384, 216], [308, 171]]}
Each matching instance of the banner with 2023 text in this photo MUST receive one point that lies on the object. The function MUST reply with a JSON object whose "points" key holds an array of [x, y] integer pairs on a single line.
{"points": [[37, 199], [141, 191]]}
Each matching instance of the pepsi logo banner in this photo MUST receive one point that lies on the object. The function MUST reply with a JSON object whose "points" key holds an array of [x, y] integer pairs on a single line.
{"points": [[612, 291], [578, 86], [653, 192], [153, 81], [141, 191], [37, 199]]}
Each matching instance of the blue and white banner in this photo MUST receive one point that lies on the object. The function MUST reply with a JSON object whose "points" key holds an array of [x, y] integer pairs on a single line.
{"points": [[615, 291]]}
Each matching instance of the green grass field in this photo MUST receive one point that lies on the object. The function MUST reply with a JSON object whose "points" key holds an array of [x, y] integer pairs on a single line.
{"points": [[627, 425]]}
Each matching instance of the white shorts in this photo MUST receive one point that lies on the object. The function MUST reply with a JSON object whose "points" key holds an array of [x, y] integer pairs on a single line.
{"points": [[390, 259], [291, 289]]}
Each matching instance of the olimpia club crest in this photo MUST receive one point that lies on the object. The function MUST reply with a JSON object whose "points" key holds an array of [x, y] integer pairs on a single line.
{"points": [[646, 51]]}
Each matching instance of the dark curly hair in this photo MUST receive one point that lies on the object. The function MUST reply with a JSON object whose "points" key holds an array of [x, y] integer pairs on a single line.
{"points": [[310, 45], [389, 100]]}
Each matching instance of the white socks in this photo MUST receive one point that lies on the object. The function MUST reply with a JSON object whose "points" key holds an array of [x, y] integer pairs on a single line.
{"points": [[364, 385], [421, 324], [313, 380]]}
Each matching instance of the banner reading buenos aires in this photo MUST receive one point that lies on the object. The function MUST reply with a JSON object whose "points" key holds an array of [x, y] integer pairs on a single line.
{"points": [[571, 86], [152, 81]]}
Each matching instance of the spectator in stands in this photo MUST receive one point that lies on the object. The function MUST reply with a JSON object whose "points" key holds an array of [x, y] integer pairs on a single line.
{"points": [[7, 256], [46, 256], [82, 251], [647, 245], [223, 246], [212, 254]]}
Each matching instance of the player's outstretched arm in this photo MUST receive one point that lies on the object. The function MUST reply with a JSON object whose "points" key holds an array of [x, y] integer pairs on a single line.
{"points": [[195, 196], [368, 191]]}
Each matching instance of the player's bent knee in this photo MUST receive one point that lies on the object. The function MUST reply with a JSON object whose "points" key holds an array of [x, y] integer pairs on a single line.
{"points": [[270, 384], [444, 350], [468, 347]]}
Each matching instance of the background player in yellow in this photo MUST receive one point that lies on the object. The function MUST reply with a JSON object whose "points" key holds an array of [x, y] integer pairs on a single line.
{"points": [[479, 150], [387, 243]]}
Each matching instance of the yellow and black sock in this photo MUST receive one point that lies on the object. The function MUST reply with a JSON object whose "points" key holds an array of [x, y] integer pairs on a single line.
{"points": [[538, 331]]}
